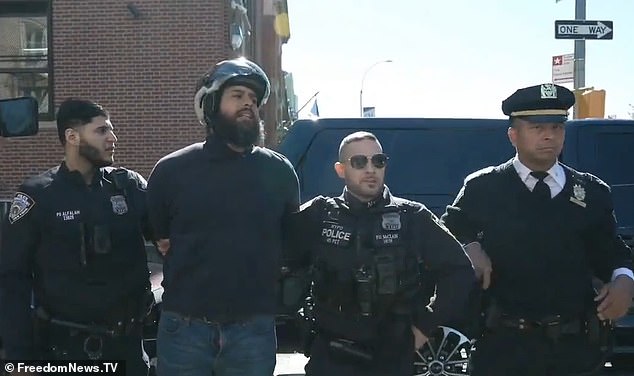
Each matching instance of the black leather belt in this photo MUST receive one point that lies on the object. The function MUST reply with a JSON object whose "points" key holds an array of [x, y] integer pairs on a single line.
{"points": [[563, 326], [117, 329]]}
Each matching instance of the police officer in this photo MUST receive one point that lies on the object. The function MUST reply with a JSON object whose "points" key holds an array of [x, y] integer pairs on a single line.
{"points": [[218, 208], [369, 252], [537, 232], [73, 270]]}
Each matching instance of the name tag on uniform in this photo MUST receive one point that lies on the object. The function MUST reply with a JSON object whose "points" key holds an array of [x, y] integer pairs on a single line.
{"points": [[392, 238]]}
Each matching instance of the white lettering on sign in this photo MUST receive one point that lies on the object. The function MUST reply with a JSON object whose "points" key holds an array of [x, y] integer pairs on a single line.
{"points": [[599, 30]]}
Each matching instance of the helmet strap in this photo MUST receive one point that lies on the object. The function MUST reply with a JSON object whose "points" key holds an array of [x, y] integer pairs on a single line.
{"points": [[210, 105]]}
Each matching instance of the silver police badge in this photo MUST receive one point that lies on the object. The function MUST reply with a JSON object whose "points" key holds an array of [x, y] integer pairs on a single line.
{"points": [[391, 221], [21, 205], [549, 91], [119, 206], [579, 194]]}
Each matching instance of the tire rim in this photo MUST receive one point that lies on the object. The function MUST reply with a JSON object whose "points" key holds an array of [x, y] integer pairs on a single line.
{"points": [[445, 354]]}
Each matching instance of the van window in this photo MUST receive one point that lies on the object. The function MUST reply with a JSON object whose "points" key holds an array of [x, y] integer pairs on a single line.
{"points": [[614, 157], [615, 161]]}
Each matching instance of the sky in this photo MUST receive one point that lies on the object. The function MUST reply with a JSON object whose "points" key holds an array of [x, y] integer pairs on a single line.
{"points": [[457, 58]]}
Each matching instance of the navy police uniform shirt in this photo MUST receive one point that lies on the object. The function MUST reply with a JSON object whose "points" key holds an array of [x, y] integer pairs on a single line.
{"points": [[79, 248], [535, 245], [224, 214]]}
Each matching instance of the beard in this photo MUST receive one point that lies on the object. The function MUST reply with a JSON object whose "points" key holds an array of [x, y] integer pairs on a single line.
{"points": [[93, 155], [364, 191], [241, 133]]}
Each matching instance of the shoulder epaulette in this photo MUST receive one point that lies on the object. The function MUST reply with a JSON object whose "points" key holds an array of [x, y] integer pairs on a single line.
{"points": [[408, 204], [586, 177], [315, 201], [479, 173], [123, 177], [41, 180]]}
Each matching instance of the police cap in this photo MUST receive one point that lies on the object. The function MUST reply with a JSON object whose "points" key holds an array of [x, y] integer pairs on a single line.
{"points": [[545, 103]]}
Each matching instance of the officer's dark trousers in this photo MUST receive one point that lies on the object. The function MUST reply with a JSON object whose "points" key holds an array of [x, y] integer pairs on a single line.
{"points": [[393, 359], [531, 353], [65, 344]]}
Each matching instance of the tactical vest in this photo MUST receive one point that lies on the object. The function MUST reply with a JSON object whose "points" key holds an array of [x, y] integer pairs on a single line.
{"points": [[363, 269], [110, 269]]}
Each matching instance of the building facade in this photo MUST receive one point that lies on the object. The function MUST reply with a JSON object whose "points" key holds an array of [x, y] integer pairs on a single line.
{"points": [[139, 59]]}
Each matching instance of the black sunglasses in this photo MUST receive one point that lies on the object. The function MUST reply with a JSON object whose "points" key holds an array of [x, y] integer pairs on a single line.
{"points": [[360, 161]]}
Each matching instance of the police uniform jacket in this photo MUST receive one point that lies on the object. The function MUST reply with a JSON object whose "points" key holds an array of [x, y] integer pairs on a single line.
{"points": [[342, 234], [78, 248], [544, 253]]}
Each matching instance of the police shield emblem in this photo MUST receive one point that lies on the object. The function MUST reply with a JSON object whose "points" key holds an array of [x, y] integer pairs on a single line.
{"points": [[579, 192], [549, 91], [21, 205], [391, 221], [119, 205]]}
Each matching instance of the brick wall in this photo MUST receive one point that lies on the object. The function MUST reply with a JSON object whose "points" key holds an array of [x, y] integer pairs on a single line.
{"points": [[142, 70]]}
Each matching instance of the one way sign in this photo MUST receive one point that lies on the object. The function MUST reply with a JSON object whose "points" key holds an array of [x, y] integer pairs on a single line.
{"points": [[583, 29]]}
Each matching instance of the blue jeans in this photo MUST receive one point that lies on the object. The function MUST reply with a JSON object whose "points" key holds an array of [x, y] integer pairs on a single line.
{"points": [[192, 347]]}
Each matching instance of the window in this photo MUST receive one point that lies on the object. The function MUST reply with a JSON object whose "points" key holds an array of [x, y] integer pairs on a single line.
{"points": [[614, 165], [25, 59]]}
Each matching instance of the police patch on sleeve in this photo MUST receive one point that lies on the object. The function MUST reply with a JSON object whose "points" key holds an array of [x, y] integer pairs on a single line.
{"points": [[21, 205]]}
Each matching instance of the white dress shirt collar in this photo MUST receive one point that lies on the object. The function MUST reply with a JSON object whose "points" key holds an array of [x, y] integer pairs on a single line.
{"points": [[556, 172]]}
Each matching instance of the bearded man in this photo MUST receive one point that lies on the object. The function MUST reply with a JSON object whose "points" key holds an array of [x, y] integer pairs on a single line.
{"points": [[219, 209]]}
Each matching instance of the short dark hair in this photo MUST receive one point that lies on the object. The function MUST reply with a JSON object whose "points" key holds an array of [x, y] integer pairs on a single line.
{"points": [[75, 112], [513, 121], [354, 137]]}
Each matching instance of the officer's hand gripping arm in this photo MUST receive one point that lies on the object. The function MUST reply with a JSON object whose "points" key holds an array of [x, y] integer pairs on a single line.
{"points": [[454, 277], [481, 263]]}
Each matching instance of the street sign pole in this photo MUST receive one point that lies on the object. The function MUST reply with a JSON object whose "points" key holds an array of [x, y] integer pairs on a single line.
{"points": [[581, 29], [580, 54], [580, 47]]}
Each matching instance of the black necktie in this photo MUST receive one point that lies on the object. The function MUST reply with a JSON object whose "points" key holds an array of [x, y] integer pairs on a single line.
{"points": [[541, 190]]}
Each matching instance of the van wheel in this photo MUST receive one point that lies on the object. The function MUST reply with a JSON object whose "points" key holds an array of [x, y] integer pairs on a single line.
{"points": [[446, 353]]}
